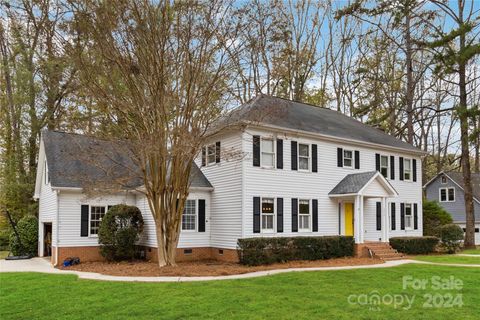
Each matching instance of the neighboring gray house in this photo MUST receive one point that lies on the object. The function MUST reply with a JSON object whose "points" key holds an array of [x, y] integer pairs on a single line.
{"points": [[447, 189]]}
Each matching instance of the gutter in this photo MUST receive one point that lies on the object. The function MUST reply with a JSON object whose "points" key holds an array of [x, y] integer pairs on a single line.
{"points": [[334, 138]]}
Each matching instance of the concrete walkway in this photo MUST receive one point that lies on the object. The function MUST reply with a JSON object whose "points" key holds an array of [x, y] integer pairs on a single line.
{"points": [[468, 255], [44, 266]]}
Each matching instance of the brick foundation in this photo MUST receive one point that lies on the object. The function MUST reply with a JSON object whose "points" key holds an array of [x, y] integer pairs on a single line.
{"points": [[361, 251], [197, 254], [183, 254]]}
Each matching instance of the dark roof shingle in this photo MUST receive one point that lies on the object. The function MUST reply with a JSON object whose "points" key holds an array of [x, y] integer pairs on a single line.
{"points": [[76, 161], [294, 115], [458, 178], [352, 183]]}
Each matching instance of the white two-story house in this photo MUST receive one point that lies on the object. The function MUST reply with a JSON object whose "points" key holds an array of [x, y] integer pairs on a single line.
{"points": [[273, 168]]}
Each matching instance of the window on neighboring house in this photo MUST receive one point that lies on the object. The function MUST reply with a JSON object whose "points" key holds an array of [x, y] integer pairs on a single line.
{"points": [[303, 157], [304, 215], [210, 154], [407, 169], [96, 215], [348, 158], [189, 216], [268, 153], [447, 194], [268, 214], [384, 166], [444, 180], [408, 216]]}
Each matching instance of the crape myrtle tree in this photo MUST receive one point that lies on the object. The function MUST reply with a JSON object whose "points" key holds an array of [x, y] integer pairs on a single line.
{"points": [[159, 69]]}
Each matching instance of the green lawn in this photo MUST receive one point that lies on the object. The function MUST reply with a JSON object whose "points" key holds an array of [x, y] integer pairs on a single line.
{"points": [[471, 251], [296, 295], [449, 259]]}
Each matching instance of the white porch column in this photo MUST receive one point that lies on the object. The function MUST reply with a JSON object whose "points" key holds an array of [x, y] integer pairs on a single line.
{"points": [[356, 220], [384, 220], [362, 221]]}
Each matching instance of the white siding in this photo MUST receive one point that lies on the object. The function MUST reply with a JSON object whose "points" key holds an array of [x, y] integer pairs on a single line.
{"points": [[290, 184], [226, 178], [47, 212], [70, 215], [188, 239]]}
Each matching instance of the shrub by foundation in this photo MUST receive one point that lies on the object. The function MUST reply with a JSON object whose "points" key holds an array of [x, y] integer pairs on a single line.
{"points": [[257, 251], [414, 245]]}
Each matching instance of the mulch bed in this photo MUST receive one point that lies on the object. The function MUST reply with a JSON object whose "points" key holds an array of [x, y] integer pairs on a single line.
{"points": [[205, 268]]}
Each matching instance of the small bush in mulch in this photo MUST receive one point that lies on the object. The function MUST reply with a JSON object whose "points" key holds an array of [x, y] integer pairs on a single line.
{"points": [[451, 236], [258, 251], [414, 245], [119, 231]]}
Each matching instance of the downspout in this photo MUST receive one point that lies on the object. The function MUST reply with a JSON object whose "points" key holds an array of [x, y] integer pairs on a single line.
{"points": [[57, 228], [243, 186]]}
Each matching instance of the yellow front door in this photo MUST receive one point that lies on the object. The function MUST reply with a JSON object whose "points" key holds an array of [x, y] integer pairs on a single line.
{"points": [[349, 219]]}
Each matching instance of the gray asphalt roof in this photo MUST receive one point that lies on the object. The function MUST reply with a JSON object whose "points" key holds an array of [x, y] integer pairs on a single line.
{"points": [[294, 115], [458, 178], [76, 161], [352, 183]]}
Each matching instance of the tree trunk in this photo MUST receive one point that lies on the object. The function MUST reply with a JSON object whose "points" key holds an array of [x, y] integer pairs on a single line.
{"points": [[410, 85], [464, 137]]}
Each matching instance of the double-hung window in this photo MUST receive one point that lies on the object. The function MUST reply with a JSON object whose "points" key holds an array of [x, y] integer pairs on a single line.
{"points": [[96, 215], [348, 158], [268, 214], [408, 216], [384, 166], [210, 154], [268, 153], [189, 217], [303, 157], [407, 169], [304, 215], [447, 194]]}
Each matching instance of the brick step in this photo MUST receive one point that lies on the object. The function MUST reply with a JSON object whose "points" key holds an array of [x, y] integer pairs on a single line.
{"points": [[383, 251]]}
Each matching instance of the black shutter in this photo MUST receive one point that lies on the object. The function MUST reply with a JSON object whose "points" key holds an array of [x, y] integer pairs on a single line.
{"points": [[402, 216], [279, 154], [294, 156], [400, 164], [314, 158], [379, 216], [415, 216], [201, 215], [414, 164], [204, 156], [339, 157], [393, 216], [256, 214], [357, 159], [108, 208], [294, 215], [279, 214], [256, 151], [392, 167], [315, 215], [84, 221], [217, 152], [377, 161]]}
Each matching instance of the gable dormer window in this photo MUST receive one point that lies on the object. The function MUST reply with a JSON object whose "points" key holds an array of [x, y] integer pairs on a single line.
{"points": [[303, 157], [267, 153]]}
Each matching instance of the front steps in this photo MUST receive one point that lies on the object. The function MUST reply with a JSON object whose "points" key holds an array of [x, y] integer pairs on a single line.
{"points": [[383, 251]]}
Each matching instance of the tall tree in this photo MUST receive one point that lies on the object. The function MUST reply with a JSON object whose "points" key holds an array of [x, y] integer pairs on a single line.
{"points": [[160, 70], [454, 50]]}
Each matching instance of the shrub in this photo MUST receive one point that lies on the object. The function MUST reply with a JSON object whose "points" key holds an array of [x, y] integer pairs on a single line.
{"points": [[434, 216], [257, 251], [27, 229], [4, 239], [119, 231], [414, 245], [451, 236]]}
